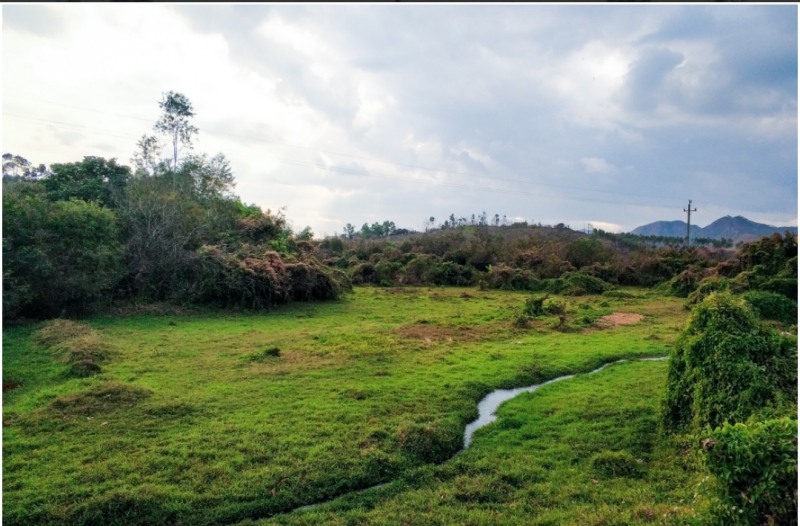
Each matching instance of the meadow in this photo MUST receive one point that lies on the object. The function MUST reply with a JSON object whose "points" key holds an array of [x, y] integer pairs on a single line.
{"points": [[217, 417]]}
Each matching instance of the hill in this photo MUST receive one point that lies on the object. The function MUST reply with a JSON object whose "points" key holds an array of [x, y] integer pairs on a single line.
{"points": [[737, 228], [665, 228], [740, 229]]}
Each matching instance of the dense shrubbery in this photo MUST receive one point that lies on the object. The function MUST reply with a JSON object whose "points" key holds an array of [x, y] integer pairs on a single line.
{"points": [[732, 383], [756, 464], [728, 366], [174, 235], [56, 255]]}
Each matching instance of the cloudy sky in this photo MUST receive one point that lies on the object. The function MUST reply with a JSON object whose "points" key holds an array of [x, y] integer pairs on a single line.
{"points": [[613, 115]]}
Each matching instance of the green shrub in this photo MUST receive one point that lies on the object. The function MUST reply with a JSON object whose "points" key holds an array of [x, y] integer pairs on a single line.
{"points": [[610, 464], [264, 354], [554, 307], [782, 285], [756, 465], [681, 285], [584, 282], [706, 287], [727, 366], [772, 306], [58, 256], [534, 306]]}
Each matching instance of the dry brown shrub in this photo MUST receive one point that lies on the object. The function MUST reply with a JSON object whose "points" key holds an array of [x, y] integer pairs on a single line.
{"points": [[58, 331], [100, 399]]}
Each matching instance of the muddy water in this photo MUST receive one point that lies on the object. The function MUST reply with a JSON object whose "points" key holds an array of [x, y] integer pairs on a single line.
{"points": [[486, 413]]}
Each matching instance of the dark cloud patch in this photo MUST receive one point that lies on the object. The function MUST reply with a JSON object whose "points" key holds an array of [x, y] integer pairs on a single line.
{"points": [[646, 83]]}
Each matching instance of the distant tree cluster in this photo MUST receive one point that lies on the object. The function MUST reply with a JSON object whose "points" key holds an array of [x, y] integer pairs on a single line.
{"points": [[95, 231]]}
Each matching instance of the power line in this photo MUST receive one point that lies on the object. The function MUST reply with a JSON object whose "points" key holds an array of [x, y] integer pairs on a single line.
{"points": [[257, 139]]}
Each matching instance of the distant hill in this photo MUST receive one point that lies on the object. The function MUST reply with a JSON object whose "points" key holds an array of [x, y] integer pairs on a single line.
{"points": [[737, 228], [665, 228]]}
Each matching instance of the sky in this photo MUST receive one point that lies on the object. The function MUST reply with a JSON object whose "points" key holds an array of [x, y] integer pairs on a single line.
{"points": [[612, 116]]}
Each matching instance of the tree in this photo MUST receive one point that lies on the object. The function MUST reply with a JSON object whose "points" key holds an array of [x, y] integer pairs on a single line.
{"points": [[206, 178], [306, 234], [93, 179], [174, 122], [16, 166], [147, 158], [349, 231]]}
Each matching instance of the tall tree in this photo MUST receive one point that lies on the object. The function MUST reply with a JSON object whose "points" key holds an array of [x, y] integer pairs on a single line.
{"points": [[174, 122]]}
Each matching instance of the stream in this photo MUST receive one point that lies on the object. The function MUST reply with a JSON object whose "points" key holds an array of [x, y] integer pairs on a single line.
{"points": [[487, 408]]}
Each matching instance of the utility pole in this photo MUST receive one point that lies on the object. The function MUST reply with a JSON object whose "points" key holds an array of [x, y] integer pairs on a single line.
{"points": [[689, 221]]}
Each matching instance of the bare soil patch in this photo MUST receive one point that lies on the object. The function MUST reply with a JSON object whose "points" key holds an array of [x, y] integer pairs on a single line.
{"points": [[431, 333], [619, 318]]}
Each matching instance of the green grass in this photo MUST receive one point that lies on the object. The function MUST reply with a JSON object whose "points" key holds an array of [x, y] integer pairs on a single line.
{"points": [[545, 461], [370, 389]]}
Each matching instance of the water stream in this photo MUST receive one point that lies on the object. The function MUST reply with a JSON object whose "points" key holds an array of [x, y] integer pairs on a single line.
{"points": [[487, 408]]}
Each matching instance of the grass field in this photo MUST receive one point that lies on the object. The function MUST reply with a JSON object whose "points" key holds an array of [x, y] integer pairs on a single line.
{"points": [[193, 420]]}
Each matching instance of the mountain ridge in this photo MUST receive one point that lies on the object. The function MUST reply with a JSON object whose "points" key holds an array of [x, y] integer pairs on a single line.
{"points": [[737, 228]]}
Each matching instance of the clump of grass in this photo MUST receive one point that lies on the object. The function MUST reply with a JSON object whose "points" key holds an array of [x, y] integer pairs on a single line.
{"points": [[103, 398], [522, 322], [264, 355], [81, 348], [58, 331], [84, 368], [610, 464], [604, 304]]}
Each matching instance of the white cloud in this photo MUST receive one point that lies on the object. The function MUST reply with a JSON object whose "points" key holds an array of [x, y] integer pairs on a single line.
{"points": [[597, 165]]}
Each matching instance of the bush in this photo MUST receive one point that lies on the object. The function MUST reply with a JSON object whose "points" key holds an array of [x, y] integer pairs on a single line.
{"points": [[681, 285], [554, 307], [727, 366], [610, 464], [254, 281], [58, 256], [264, 355], [756, 464], [585, 283], [782, 285], [534, 306], [706, 287], [772, 306]]}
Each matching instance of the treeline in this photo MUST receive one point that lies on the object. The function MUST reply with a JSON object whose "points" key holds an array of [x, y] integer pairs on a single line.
{"points": [[732, 383], [628, 239], [518, 257], [88, 233]]}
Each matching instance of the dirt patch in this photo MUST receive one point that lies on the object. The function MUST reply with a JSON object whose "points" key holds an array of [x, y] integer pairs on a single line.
{"points": [[11, 385], [434, 333], [465, 296], [619, 318]]}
